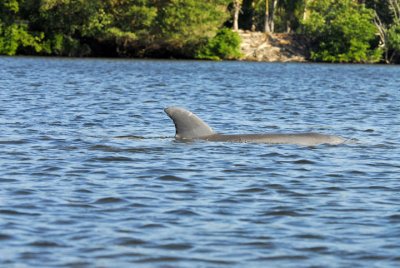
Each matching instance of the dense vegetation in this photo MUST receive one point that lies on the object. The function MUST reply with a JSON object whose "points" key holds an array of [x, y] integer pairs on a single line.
{"points": [[337, 30]]}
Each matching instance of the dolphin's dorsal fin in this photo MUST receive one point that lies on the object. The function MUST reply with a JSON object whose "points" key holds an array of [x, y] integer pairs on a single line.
{"points": [[187, 124]]}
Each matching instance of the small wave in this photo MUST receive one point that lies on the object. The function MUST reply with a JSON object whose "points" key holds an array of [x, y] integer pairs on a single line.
{"points": [[369, 130], [143, 149], [79, 205], [64, 222], [83, 190], [310, 236], [153, 225], [335, 188], [276, 186], [271, 154], [317, 249], [45, 244], [17, 213], [252, 190], [5, 237], [138, 205], [259, 244], [9, 180], [282, 257], [395, 218], [130, 137], [168, 259], [356, 172], [369, 257], [112, 159], [24, 192], [171, 178], [289, 213], [108, 200], [176, 246], [13, 142], [78, 263], [105, 148], [182, 212], [229, 200], [335, 175], [129, 241], [378, 187], [303, 162], [159, 259]]}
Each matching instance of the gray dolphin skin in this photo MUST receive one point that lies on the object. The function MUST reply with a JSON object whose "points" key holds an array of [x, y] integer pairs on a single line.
{"points": [[188, 126]]}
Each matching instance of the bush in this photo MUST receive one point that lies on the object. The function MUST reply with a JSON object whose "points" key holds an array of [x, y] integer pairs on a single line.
{"points": [[341, 31], [394, 39], [16, 36], [225, 45]]}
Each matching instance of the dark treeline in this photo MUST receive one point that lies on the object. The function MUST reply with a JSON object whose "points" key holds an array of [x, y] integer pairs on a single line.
{"points": [[336, 30]]}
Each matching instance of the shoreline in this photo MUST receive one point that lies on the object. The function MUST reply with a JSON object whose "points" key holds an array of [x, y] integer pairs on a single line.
{"points": [[187, 59], [255, 47]]}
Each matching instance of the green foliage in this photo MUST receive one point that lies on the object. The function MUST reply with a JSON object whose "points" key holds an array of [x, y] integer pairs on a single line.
{"points": [[56, 45], [117, 27], [287, 14], [341, 31], [75, 18], [14, 33], [394, 37], [382, 9], [224, 45], [130, 23], [387, 20], [14, 36], [10, 5], [185, 23]]}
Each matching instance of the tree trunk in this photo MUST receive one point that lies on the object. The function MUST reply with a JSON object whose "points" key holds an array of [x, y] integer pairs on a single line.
{"points": [[272, 23], [395, 8], [382, 30], [236, 5], [267, 29]]}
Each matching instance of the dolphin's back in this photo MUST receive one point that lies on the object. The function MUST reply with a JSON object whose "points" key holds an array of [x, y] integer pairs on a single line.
{"points": [[306, 139], [189, 126]]}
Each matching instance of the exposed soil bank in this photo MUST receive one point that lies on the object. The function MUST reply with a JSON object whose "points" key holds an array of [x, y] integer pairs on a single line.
{"points": [[258, 46]]}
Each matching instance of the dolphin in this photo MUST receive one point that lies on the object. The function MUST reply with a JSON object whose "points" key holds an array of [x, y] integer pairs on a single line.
{"points": [[189, 126]]}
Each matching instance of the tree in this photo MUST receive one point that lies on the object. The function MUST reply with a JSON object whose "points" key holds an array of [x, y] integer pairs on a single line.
{"points": [[269, 15], [237, 5], [292, 13], [341, 31], [131, 25], [184, 25], [225, 45], [267, 27], [67, 24], [14, 33], [387, 20]]}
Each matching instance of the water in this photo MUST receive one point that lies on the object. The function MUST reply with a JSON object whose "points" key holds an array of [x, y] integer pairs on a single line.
{"points": [[91, 176]]}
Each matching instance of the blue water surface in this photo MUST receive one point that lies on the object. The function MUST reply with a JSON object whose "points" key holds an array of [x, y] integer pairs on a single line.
{"points": [[91, 176]]}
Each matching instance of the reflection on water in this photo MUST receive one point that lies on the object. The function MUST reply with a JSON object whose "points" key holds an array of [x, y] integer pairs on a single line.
{"points": [[90, 175]]}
